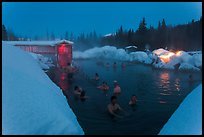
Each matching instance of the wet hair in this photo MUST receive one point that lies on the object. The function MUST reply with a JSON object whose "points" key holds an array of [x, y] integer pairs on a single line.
{"points": [[113, 97], [133, 95], [96, 74], [68, 64], [83, 93], [76, 87]]}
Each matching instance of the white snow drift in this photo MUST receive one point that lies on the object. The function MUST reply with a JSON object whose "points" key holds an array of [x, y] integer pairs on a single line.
{"points": [[187, 119], [31, 102], [44, 62], [186, 61]]}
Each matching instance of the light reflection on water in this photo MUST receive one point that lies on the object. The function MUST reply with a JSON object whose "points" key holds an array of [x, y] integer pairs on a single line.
{"points": [[177, 84], [164, 81]]}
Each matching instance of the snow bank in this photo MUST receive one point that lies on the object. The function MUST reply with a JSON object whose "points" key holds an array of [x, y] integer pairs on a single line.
{"points": [[187, 119], [31, 102], [44, 62], [111, 52], [186, 61]]}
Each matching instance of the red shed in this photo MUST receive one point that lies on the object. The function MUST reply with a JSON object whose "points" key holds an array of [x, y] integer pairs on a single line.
{"points": [[63, 49]]}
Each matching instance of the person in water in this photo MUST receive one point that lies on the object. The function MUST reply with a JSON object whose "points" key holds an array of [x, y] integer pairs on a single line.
{"points": [[123, 65], [114, 65], [117, 89], [83, 96], [96, 77], [69, 70], [113, 107], [133, 100], [190, 77], [107, 65], [104, 86], [77, 90]]}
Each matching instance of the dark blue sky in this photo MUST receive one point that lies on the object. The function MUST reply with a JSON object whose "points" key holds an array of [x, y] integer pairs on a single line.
{"points": [[34, 18]]}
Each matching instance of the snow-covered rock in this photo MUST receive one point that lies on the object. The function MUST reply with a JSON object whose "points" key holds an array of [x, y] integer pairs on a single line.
{"points": [[197, 59], [187, 119], [31, 103], [140, 56], [187, 66]]}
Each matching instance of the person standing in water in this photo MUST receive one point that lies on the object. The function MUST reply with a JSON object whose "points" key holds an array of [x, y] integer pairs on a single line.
{"points": [[96, 77], [114, 65], [104, 86], [133, 100], [70, 71], [123, 65], [77, 90], [117, 89], [190, 78], [113, 107], [107, 65], [83, 96]]}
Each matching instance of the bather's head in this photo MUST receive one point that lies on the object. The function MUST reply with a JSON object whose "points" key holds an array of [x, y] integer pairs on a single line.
{"points": [[113, 100]]}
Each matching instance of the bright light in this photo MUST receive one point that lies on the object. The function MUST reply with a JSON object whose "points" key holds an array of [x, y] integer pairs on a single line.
{"points": [[61, 49], [178, 53], [166, 57]]}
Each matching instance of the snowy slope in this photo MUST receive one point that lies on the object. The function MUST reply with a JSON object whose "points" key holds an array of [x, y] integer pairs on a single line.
{"points": [[31, 102], [187, 119]]}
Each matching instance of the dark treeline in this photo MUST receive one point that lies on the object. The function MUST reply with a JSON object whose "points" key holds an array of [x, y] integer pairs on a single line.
{"points": [[8, 34], [181, 37]]}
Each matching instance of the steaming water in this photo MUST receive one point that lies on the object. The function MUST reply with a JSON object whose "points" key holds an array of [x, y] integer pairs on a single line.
{"points": [[159, 93]]}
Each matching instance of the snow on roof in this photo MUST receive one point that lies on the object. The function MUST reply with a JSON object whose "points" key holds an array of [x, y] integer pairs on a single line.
{"points": [[40, 43], [110, 34], [131, 47]]}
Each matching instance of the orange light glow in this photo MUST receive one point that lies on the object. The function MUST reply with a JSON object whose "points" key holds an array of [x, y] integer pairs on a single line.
{"points": [[178, 53], [166, 57]]}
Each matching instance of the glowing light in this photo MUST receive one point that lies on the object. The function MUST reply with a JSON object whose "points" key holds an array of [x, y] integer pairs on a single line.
{"points": [[178, 53], [61, 49], [166, 57]]}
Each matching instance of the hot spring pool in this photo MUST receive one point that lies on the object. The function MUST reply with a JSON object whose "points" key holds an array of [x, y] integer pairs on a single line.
{"points": [[159, 93]]}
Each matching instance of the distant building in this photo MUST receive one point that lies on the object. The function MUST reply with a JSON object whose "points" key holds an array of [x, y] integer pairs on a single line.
{"points": [[63, 49], [131, 49]]}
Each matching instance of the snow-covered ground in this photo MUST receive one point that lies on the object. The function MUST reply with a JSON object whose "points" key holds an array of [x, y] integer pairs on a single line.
{"points": [[44, 62], [187, 119], [159, 58], [31, 102]]}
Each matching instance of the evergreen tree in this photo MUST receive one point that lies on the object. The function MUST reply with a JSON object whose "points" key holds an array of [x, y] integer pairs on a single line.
{"points": [[159, 25], [47, 35], [163, 24], [142, 27], [52, 36], [4, 33], [66, 35]]}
